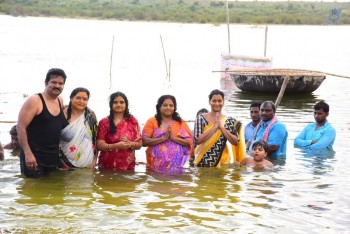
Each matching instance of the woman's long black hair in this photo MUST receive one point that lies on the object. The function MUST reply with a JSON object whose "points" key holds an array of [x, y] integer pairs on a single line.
{"points": [[160, 102], [112, 128]]}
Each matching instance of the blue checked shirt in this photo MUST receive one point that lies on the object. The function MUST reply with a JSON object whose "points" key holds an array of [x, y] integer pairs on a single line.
{"points": [[277, 136]]}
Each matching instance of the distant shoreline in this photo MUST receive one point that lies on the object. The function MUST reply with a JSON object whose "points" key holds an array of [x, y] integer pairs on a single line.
{"points": [[186, 11]]}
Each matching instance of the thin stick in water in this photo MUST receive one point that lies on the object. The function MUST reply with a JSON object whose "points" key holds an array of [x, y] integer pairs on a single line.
{"points": [[166, 65], [110, 65], [169, 69], [265, 40], [8, 121], [228, 27]]}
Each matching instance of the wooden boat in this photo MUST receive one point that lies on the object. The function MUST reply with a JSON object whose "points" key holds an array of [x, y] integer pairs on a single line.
{"points": [[260, 77], [271, 80]]}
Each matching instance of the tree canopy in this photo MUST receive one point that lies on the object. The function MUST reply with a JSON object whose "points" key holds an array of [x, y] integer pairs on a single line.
{"points": [[184, 11]]}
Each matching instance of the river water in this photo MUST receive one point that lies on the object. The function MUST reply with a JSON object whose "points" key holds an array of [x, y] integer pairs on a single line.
{"points": [[304, 193]]}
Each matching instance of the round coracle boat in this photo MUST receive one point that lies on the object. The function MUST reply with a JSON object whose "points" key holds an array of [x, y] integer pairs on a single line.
{"points": [[271, 80]]}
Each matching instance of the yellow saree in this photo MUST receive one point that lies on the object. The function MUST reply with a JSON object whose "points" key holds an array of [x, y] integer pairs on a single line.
{"points": [[215, 151]]}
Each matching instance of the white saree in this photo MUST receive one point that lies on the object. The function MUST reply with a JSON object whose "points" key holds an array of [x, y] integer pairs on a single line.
{"points": [[76, 143]]}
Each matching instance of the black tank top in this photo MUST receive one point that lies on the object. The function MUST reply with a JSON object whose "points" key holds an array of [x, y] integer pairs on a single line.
{"points": [[44, 135]]}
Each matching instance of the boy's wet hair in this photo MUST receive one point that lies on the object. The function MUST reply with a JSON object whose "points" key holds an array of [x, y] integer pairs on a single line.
{"points": [[13, 131], [260, 143], [203, 110]]}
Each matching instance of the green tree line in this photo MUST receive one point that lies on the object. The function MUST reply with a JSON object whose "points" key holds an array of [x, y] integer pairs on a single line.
{"points": [[184, 11]]}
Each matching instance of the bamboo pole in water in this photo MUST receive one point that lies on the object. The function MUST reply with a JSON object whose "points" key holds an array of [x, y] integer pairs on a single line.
{"points": [[281, 93], [341, 76], [169, 70], [228, 27], [166, 64], [110, 65], [265, 41]]}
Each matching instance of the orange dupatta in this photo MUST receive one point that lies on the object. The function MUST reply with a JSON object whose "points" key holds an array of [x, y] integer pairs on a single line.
{"points": [[151, 129]]}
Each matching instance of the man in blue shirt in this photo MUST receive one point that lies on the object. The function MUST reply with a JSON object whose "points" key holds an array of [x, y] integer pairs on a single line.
{"points": [[255, 116], [320, 134], [270, 130]]}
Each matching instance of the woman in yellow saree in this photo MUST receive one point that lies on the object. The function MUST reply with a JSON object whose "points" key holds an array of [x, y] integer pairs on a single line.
{"points": [[212, 131]]}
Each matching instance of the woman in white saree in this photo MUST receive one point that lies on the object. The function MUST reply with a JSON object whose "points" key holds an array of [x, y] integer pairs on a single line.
{"points": [[78, 139]]}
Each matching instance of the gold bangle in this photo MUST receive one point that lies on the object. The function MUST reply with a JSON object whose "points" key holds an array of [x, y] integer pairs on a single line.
{"points": [[108, 147]]}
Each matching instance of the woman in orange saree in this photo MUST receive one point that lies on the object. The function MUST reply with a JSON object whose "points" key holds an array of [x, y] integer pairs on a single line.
{"points": [[167, 136]]}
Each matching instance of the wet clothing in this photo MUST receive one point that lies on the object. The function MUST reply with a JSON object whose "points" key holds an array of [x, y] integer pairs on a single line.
{"points": [[119, 159], [324, 135], [167, 155], [40, 171], [43, 135], [275, 133], [249, 131], [215, 151], [78, 141]]}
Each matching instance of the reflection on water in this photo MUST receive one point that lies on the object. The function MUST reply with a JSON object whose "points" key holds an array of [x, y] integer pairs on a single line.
{"points": [[42, 191], [197, 200], [297, 194], [289, 101], [277, 161], [115, 188], [319, 162], [306, 192]]}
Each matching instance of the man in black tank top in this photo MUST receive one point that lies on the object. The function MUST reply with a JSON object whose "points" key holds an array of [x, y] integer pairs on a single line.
{"points": [[39, 126]]}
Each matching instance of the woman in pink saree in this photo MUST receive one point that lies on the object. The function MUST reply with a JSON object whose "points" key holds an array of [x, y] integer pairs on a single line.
{"points": [[118, 136], [167, 136]]}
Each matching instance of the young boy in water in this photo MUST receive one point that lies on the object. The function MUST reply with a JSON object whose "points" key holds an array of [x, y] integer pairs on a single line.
{"points": [[1, 152], [259, 154], [14, 145]]}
